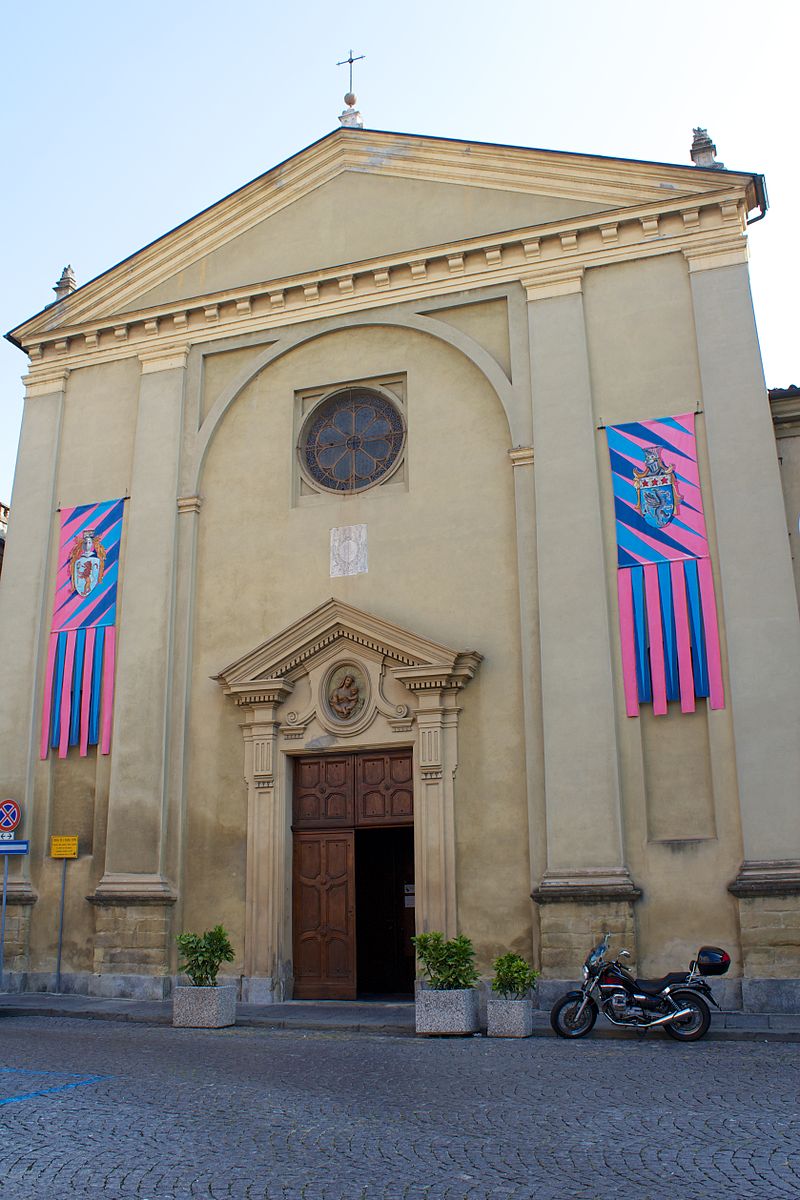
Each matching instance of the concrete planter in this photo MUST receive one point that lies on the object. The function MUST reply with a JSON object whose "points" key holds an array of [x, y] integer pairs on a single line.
{"points": [[509, 1018], [204, 1007], [454, 1012]]}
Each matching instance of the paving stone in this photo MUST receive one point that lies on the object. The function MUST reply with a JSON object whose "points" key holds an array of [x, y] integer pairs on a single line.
{"points": [[129, 1111]]}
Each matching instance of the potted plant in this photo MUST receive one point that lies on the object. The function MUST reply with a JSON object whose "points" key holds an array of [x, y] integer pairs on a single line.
{"points": [[447, 1002], [204, 1005], [510, 1008]]}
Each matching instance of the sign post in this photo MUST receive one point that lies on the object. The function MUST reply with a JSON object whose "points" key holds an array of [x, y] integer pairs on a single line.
{"points": [[63, 848], [10, 817]]}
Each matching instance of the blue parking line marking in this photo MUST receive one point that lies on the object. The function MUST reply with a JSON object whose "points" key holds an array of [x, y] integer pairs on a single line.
{"points": [[76, 1081]]}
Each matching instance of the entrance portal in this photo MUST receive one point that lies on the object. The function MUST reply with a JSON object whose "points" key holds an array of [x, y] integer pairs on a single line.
{"points": [[353, 875]]}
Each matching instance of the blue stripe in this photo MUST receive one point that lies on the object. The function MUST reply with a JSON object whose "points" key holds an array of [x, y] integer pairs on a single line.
{"points": [[61, 1087], [97, 679], [640, 635], [77, 675], [699, 663], [61, 651], [670, 636]]}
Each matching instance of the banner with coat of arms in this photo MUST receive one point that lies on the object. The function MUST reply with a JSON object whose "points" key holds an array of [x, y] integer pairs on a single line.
{"points": [[667, 606], [79, 683]]}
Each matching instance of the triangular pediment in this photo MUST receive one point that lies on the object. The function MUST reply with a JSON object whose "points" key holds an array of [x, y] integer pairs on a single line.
{"points": [[358, 196], [290, 652]]}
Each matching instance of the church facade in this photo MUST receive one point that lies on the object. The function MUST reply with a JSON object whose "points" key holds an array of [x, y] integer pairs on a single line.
{"points": [[400, 544]]}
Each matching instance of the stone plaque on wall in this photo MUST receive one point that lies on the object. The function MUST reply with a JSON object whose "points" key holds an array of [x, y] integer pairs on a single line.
{"points": [[349, 550]]}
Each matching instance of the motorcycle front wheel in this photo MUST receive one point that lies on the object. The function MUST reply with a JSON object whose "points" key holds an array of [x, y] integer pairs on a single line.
{"points": [[695, 1024], [564, 1016]]}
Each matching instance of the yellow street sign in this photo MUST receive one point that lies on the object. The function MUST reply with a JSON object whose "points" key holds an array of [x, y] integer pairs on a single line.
{"points": [[63, 847]]}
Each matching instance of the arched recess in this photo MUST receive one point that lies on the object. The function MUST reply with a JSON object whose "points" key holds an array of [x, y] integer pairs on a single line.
{"points": [[517, 414]]}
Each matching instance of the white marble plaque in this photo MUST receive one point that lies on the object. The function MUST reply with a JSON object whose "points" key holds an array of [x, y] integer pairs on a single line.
{"points": [[349, 550]]}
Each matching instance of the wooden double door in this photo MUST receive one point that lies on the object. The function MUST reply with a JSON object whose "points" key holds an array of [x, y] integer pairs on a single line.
{"points": [[353, 874]]}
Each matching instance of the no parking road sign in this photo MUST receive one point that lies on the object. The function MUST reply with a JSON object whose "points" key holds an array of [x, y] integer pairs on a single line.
{"points": [[10, 815]]}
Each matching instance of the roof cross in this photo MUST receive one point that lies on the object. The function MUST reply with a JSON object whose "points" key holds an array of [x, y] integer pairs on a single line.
{"points": [[351, 60]]}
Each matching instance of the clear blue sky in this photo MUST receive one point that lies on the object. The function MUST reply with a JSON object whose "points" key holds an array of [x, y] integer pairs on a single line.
{"points": [[121, 120]]}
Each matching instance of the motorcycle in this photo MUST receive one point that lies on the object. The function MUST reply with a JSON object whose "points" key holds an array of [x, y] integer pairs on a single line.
{"points": [[678, 1003]]}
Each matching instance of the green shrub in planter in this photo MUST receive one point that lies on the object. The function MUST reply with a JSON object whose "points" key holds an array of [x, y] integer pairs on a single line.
{"points": [[513, 977], [203, 954], [447, 965]]}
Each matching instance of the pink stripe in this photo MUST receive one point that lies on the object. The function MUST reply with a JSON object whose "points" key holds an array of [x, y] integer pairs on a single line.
{"points": [[628, 642], [86, 690], [686, 463], [47, 703], [693, 545], [716, 692], [685, 672], [66, 696], [656, 638], [108, 690]]}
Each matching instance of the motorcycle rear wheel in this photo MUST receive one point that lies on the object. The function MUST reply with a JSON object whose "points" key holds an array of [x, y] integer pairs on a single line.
{"points": [[563, 1014], [693, 1026]]}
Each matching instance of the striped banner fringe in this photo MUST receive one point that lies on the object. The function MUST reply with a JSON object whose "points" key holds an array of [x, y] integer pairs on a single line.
{"points": [[669, 635], [79, 691]]}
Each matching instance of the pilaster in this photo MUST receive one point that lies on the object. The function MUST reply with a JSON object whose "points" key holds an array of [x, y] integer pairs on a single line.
{"points": [[135, 846], [758, 596], [26, 600], [585, 861]]}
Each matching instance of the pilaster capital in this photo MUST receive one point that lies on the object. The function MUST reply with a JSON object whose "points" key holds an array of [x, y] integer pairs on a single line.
{"points": [[722, 252], [45, 381], [261, 693], [171, 358], [438, 677], [544, 285], [521, 456], [189, 504]]}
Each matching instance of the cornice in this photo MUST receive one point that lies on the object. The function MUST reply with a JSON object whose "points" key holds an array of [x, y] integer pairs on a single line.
{"points": [[617, 183], [521, 456], [551, 256], [785, 411]]}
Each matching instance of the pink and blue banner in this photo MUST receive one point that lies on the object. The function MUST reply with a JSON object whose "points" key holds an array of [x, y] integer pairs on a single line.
{"points": [[79, 682], [667, 607]]}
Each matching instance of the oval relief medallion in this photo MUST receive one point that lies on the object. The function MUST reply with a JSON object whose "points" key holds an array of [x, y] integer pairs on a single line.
{"points": [[345, 690]]}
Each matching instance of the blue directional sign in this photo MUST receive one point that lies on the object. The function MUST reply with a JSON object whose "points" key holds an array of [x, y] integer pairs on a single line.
{"points": [[16, 847]]}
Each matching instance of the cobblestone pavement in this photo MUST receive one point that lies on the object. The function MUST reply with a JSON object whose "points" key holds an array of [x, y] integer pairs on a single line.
{"points": [[122, 1111]]}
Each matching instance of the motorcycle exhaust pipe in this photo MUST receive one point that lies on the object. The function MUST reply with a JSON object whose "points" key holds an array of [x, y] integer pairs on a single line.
{"points": [[682, 1012]]}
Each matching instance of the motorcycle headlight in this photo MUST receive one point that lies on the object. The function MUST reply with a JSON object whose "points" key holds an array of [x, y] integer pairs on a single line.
{"points": [[585, 971]]}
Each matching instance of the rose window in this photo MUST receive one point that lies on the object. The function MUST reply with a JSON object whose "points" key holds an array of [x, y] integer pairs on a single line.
{"points": [[352, 440]]}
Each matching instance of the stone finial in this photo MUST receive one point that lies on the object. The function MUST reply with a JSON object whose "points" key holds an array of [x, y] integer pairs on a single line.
{"points": [[67, 284], [351, 118], [703, 151]]}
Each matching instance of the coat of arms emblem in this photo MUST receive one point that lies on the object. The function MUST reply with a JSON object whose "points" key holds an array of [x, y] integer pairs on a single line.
{"points": [[87, 562], [657, 495]]}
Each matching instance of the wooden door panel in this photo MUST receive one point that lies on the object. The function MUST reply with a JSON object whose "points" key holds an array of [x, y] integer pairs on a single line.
{"points": [[324, 915], [384, 793], [323, 792]]}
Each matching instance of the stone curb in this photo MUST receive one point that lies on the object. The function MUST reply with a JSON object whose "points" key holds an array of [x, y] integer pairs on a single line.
{"points": [[755, 1028]]}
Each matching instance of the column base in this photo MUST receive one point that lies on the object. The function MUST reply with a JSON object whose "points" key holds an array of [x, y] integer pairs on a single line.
{"points": [[769, 918], [20, 898], [133, 935], [577, 909]]}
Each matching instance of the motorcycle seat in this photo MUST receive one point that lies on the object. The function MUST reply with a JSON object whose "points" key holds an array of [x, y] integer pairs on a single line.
{"points": [[651, 987]]}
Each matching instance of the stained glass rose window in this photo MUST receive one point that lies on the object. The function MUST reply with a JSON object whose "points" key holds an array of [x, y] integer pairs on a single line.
{"points": [[352, 440]]}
